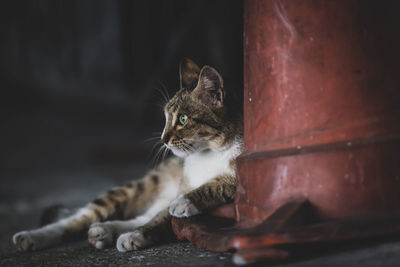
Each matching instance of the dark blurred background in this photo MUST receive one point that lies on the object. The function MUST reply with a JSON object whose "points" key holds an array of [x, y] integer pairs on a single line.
{"points": [[80, 88]]}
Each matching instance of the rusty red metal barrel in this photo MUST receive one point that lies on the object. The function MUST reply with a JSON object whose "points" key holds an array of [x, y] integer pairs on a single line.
{"points": [[321, 108]]}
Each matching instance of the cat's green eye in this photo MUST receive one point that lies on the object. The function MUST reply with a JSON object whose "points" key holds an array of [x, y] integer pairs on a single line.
{"points": [[183, 119]]}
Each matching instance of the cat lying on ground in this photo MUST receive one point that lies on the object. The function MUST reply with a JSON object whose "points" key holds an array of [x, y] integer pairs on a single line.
{"points": [[205, 134]]}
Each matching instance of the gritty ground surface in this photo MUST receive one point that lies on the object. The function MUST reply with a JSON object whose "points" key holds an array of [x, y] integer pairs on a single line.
{"points": [[82, 254], [21, 205]]}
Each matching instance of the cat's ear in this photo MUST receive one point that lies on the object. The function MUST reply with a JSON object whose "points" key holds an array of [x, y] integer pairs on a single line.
{"points": [[210, 87], [188, 74]]}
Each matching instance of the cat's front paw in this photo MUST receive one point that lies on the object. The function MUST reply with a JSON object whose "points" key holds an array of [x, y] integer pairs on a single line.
{"points": [[183, 207], [132, 241], [24, 241], [101, 235]]}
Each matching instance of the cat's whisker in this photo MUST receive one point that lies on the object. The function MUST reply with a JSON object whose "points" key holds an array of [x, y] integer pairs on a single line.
{"points": [[160, 105], [191, 140], [160, 101], [165, 153], [187, 148], [155, 145], [152, 139], [157, 156], [161, 154], [165, 89], [153, 155], [161, 92]]}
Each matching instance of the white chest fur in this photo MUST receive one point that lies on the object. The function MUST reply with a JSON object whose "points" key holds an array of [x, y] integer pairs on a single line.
{"points": [[201, 167]]}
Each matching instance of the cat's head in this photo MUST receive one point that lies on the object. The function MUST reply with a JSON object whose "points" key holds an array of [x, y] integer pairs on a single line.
{"points": [[196, 117]]}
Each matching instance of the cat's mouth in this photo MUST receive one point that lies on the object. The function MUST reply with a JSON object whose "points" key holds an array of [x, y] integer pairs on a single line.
{"points": [[179, 152], [182, 150]]}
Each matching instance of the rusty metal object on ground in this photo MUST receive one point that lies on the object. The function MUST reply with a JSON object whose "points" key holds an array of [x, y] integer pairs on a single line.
{"points": [[322, 95]]}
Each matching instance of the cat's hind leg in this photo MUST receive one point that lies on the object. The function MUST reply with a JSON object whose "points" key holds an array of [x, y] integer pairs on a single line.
{"points": [[117, 204], [54, 233]]}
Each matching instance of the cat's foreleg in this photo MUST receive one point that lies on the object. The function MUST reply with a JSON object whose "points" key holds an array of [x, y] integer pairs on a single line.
{"points": [[210, 195], [155, 231]]}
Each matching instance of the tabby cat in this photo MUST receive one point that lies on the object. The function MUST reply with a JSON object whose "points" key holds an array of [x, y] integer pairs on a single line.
{"points": [[204, 132]]}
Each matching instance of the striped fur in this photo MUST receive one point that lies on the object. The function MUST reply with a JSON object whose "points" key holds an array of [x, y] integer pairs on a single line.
{"points": [[199, 178]]}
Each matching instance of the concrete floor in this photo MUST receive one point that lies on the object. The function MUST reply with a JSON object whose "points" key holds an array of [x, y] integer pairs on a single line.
{"points": [[82, 254]]}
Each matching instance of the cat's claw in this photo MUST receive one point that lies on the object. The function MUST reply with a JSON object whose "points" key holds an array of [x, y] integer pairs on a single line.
{"points": [[132, 241], [183, 207], [24, 241], [100, 235]]}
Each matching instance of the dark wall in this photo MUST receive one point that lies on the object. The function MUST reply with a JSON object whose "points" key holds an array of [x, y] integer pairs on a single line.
{"points": [[81, 78]]}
